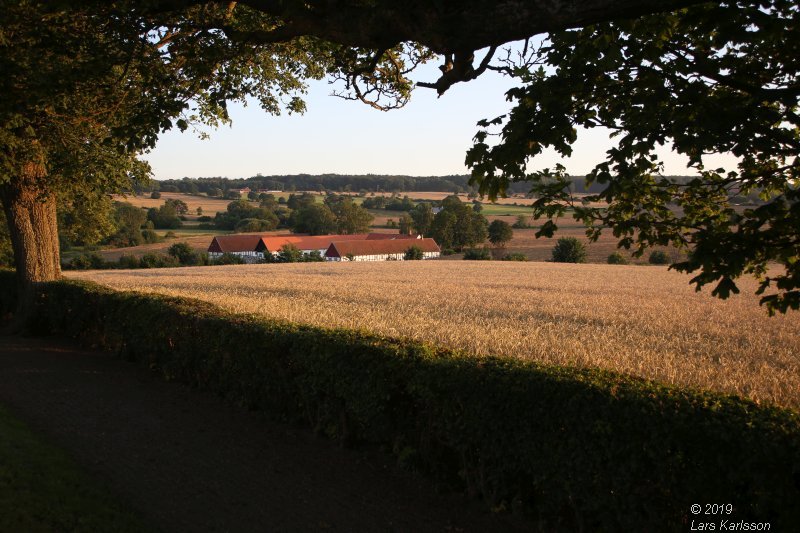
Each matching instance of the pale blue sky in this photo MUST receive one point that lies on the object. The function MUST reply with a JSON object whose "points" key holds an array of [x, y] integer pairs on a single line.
{"points": [[429, 136]]}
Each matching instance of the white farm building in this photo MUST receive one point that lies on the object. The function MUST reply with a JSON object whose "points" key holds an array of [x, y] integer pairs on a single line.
{"points": [[380, 250], [253, 247]]}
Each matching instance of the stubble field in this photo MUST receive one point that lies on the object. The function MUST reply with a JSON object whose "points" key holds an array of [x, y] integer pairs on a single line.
{"points": [[645, 321]]}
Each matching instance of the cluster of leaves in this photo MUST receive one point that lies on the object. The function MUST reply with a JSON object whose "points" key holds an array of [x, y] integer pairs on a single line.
{"points": [[97, 220], [422, 218], [485, 254], [713, 78], [129, 220], [575, 448], [87, 88], [477, 254], [658, 257], [456, 226], [414, 253], [500, 232], [301, 213], [522, 222], [338, 214], [569, 250], [617, 258], [164, 217], [6, 252], [242, 216], [393, 203]]}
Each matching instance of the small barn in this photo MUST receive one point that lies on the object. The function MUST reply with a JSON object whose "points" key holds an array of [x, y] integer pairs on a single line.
{"points": [[380, 249], [320, 243], [252, 247], [241, 245]]}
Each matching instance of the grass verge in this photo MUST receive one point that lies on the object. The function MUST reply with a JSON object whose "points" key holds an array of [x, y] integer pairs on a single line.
{"points": [[41, 488]]}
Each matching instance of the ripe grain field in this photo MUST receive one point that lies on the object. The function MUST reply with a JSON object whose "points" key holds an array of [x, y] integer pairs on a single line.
{"points": [[645, 321]]}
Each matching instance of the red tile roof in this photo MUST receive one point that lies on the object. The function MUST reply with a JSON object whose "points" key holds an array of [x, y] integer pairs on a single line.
{"points": [[316, 242], [379, 247], [274, 243], [234, 243]]}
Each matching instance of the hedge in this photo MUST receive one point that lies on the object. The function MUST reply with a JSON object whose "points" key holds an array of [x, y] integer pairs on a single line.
{"points": [[570, 448]]}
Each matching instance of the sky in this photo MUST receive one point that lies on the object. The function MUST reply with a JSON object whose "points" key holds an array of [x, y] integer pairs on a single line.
{"points": [[428, 137]]}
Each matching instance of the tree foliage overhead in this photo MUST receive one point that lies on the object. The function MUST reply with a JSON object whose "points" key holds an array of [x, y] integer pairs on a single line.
{"points": [[88, 86], [716, 78], [119, 76], [383, 39]]}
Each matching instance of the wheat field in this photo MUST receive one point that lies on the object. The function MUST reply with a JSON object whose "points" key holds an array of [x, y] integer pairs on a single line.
{"points": [[640, 320]]}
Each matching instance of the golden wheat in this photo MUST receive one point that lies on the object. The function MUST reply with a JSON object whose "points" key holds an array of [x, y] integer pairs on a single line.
{"points": [[640, 320]]}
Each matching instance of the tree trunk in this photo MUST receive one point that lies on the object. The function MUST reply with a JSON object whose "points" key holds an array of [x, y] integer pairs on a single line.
{"points": [[33, 227]]}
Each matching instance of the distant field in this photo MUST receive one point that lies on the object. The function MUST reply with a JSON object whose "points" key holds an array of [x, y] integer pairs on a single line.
{"points": [[506, 210], [210, 205], [382, 216], [525, 242], [640, 320], [519, 199]]}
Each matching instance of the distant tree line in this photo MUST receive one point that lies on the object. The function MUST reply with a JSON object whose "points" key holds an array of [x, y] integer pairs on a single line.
{"points": [[220, 187], [228, 188]]}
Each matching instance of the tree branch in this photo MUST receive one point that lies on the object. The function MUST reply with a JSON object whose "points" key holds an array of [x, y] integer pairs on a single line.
{"points": [[453, 28]]}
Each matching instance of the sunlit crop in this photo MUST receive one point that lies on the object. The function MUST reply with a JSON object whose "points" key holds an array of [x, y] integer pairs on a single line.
{"points": [[640, 320]]}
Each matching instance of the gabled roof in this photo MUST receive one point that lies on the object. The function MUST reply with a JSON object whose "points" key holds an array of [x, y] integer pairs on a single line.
{"points": [[315, 242], [234, 243], [379, 247], [274, 243]]}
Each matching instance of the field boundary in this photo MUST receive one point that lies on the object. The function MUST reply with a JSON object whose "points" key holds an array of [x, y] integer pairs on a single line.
{"points": [[573, 449]]}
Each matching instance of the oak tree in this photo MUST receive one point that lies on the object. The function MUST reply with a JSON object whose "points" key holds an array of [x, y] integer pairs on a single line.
{"points": [[88, 87], [500, 232], [710, 79]]}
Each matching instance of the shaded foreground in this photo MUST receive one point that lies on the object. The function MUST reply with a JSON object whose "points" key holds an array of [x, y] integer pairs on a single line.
{"points": [[571, 449], [41, 488], [187, 462], [643, 321]]}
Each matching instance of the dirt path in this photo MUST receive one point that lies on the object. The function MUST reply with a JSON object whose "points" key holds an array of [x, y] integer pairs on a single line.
{"points": [[187, 462]]}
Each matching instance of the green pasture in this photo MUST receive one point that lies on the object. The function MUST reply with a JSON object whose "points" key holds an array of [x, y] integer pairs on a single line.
{"points": [[505, 210]]}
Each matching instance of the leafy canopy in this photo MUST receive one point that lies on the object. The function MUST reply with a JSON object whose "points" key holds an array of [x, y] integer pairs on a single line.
{"points": [[715, 78], [87, 89], [500, 232], [569, 250], [457, 226]]}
